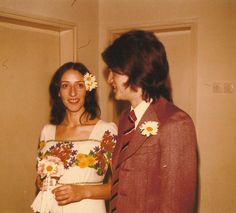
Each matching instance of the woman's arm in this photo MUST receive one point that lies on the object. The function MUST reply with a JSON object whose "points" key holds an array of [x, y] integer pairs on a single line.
{"points": [[73, 193]]}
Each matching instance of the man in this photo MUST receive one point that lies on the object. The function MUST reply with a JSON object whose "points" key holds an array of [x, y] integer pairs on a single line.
{"points": [[154, 162]]}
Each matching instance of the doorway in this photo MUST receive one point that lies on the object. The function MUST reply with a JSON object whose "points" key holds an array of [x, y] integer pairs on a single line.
{"points": [[31, 51]]}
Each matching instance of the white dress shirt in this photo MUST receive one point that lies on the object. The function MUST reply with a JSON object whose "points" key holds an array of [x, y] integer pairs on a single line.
{"points": [[140, 110]]}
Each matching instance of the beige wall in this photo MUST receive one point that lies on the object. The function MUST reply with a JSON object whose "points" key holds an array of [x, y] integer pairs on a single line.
{"points": [[83, 13], [215, 112]]}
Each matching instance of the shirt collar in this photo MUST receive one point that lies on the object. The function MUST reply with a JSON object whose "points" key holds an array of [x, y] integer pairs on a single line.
{"points": [[139, 110]]}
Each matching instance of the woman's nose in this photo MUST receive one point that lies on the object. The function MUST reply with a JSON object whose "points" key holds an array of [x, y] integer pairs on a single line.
{"points": [[72, 90]]}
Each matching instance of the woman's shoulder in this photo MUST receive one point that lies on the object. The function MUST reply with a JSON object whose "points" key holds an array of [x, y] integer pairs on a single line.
{"points": [[105, 125], [48, 132], [48, 128]]}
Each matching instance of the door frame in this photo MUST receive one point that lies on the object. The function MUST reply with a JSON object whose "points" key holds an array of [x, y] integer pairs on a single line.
{"points": [[67, 30]]}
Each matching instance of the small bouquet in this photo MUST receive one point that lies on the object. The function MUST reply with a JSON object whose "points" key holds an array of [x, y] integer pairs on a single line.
{"points": [[51, 168]]}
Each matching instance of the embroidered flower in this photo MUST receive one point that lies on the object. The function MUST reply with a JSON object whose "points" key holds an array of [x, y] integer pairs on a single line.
{"points": [[50, 166], [84, 160], [90, 82], [149, 128], [91, 160], [63, 150], [103, 154], [79, 157], [41, 145]]}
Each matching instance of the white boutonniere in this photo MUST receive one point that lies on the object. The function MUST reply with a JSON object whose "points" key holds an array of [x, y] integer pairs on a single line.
{"points": [[149, 128], [90, 82]]}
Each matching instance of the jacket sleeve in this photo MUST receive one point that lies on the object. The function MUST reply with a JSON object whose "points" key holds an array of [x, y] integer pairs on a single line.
{"points": [[178, 165]]}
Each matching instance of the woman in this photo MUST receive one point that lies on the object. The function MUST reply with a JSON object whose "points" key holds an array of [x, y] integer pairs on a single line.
{"points": [[79, 140]]}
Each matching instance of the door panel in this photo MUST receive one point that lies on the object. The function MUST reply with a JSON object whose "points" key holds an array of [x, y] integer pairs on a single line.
{"points": [[180, 48]]}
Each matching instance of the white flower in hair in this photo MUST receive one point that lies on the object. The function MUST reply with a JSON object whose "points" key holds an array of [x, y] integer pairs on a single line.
{"points": [[149, 128], [90, 82]]}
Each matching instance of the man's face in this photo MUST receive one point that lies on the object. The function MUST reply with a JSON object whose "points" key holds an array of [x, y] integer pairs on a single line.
{"points": [[117, 81]]}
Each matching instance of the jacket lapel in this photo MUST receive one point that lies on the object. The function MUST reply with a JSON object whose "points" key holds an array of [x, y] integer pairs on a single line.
{"points": [[138, 139]]}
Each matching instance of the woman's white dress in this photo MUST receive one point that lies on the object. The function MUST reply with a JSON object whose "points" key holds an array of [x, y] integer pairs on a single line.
{"points": [[85, 162]]}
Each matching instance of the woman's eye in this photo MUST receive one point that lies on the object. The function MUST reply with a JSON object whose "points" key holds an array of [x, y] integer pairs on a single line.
{"points": [[64, 86], [80, 85]]}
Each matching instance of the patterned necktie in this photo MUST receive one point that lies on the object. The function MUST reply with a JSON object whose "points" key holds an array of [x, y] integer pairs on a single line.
{"points": [[129, 129], [127, 135]]}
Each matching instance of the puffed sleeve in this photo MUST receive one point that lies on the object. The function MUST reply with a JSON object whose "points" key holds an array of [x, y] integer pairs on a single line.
{"points": [[108, 142], [42, 136], [41, 143], [47, 133], [112, 128]]}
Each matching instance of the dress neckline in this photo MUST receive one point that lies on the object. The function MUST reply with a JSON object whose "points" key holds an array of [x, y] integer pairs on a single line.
{"points": [[82, 140]]}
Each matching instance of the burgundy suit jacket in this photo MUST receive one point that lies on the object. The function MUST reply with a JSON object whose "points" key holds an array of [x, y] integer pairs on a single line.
{"points": [[157, 174]]}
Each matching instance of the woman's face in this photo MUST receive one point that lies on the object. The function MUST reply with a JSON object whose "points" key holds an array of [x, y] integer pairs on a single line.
{"points": [[72, 90]]}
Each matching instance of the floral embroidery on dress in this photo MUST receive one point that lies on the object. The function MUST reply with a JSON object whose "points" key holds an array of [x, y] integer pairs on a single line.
{"points": [[63, 150], [98, 158], [41, 145], [84, 160], [103, 154]]}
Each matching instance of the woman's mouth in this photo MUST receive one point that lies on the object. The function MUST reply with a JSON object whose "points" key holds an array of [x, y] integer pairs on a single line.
{"points": [[73, 100]]}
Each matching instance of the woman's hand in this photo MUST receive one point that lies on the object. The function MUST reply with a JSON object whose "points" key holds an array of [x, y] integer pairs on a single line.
{"points": [[42, 184], [69, 193], [74, 193]]}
